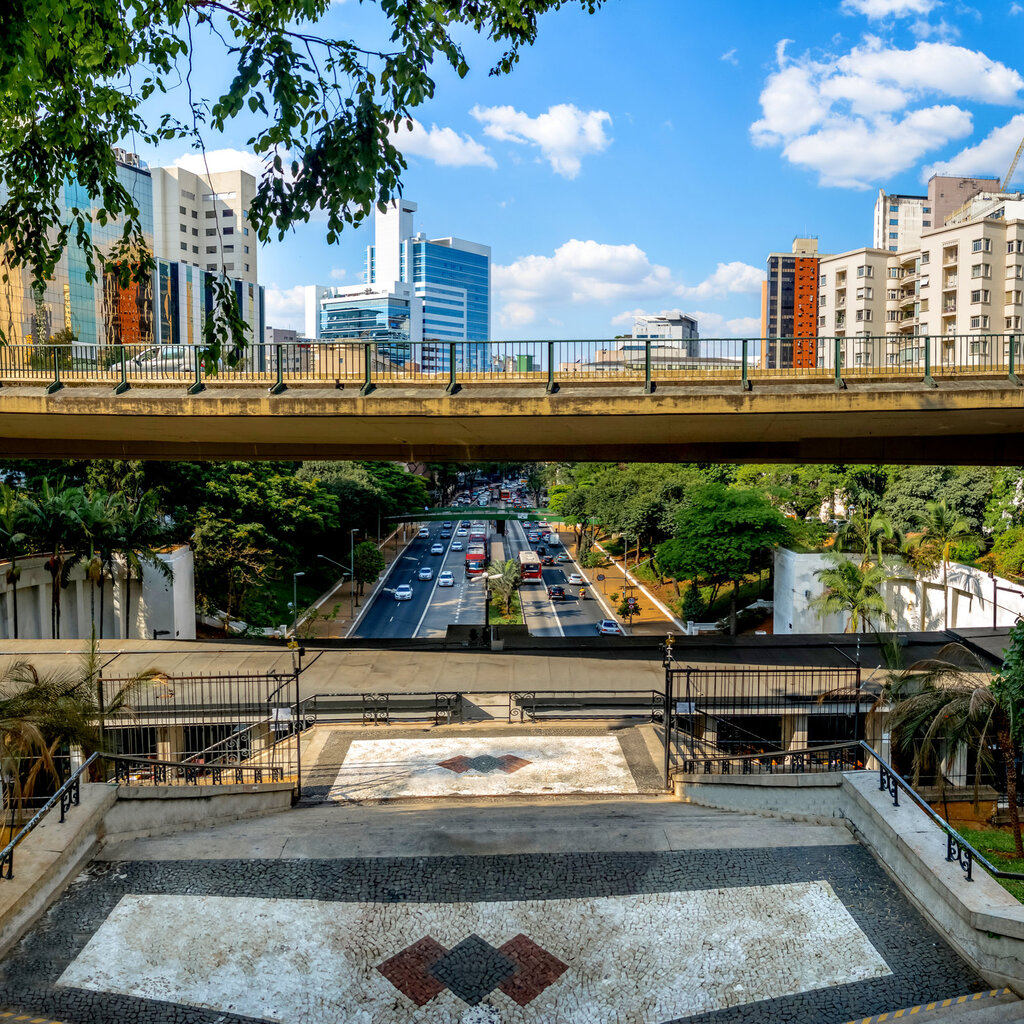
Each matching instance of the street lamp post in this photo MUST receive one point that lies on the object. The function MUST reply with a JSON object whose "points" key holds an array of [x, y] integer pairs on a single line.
{"points": [[666, 661], [344, 569], [295, 600], [995, 597], [352, 562]]}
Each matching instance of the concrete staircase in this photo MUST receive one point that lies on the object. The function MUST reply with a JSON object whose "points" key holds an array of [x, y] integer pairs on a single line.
{"points": [[993, 1006]]}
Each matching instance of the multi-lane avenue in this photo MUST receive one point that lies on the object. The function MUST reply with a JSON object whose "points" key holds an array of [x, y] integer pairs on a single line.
{"points": [[433, 608]]}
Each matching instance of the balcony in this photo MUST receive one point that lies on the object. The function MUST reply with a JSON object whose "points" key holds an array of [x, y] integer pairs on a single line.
{"points": [[948, 307], [950, 281], [949, 257]]}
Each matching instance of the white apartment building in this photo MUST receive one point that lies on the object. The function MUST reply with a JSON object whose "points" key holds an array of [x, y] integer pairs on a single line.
{"points": [[204, 221], [853, 299], [899, 221], [676, 326]]}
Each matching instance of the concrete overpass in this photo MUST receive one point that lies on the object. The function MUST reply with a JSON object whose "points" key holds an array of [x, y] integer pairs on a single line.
{"points": [[350, 400], [978, 421]]}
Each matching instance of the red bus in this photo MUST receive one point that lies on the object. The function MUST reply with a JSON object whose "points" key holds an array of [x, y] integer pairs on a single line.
{"points": [[476, 560], [529, 566]]}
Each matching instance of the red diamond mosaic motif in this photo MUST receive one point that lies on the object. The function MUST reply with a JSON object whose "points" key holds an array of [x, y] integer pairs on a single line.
{"points": [[536, 969], [486, 763], [409, 971]]}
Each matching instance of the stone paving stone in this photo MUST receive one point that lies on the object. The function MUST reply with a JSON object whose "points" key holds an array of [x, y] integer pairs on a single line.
{"points": [[922, 965]]}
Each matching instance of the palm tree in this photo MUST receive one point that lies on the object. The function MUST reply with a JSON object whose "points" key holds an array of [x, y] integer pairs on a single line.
{"points": [[12, 541], [138, 534], [503, 580], [55, 517], [98, 523], [870, 534], [941, 528], [854, 590], [948, 702], [43, 714]]}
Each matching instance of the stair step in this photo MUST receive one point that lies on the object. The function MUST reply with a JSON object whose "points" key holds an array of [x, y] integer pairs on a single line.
{"points": [[988, 1007]]}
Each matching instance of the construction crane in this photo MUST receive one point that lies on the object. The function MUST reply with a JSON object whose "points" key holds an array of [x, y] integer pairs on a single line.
{"points": [[1013, 166]]}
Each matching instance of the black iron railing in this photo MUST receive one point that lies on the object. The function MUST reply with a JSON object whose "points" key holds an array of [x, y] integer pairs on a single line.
{"points": [[855, 756], [177, 773], [69, 795]]}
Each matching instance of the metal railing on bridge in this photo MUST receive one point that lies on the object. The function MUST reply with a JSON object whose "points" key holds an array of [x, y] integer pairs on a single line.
{"points": [[646, 363]]}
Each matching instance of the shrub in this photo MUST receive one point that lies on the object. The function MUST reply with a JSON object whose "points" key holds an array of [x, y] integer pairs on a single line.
{"points": [[692, 607]]}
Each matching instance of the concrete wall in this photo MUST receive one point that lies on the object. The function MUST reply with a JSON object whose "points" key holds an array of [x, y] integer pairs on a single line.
{"points": [[980, 919], [157, 604], [915, 599]]}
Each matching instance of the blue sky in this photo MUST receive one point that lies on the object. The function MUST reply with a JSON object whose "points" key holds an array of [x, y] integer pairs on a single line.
{"points": [[648, 157]]}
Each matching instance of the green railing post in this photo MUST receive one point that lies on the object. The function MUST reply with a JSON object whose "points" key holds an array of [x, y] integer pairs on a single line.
{"points": [[124, 385], [454, 387], [928, 378], [746, 357], [280, 386], [1014, 379], [198, 385], [552, 388], [840, 383], [368, 386], [649, 385], [55, 384]]}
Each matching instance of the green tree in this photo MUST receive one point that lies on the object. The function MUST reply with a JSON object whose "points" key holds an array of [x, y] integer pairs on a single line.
{"points": [[327, 114], [369, 563], [12, 543], [98, 525], [692, 606], [137, 536], [503, 579], [870, 533], [853, 590], [1007, 554], [54, 517], [941, 529], [722, 536]]}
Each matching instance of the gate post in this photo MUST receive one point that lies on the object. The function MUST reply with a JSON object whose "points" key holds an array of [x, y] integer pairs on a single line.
{"points": [[840, 383], [552, 387], [124, 385], [1014, 379], [649, 385], [280, 386]]}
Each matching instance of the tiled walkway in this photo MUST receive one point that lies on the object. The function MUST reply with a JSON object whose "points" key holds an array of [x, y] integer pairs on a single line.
{"points": [[627, 911]]}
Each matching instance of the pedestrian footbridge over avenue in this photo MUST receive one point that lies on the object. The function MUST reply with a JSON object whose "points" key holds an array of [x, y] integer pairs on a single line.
{"points": [[908, 400]]}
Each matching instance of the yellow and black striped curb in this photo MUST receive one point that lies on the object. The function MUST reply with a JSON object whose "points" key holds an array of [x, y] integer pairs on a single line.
{"points": [[911, 1010], [25, 1018]]}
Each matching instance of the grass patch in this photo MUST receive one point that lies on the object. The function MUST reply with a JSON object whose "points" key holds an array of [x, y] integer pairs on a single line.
{"points": [[997, 845], [497, 616]]}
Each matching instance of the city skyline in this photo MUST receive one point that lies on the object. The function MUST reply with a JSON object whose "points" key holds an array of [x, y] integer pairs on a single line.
{"points": [[775, 125]]}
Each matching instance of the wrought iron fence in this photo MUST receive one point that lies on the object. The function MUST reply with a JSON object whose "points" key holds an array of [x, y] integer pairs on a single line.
{"points": [[549, 364]]}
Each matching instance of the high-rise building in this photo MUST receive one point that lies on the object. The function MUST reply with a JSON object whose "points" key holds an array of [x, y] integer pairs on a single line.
{"points": [[170, 307], [204, 220], [789, 307], [947, 194], [423, 292], [899, 220]]}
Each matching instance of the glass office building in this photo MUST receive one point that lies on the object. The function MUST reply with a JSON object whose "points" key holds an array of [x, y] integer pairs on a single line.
{"points": [[169, 307]]}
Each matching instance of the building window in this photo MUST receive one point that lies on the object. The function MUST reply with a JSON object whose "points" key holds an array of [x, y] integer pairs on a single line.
{"points": [[211, 266], [1013, 323], [926, 257], [210, 231], [821, 321], [893, 234], [210, 214], [245, 231], [1013, 298], [865, 293], [195, 215], [924, 281], [181, 210], [863, 315], [893, 223], [228, 231], [229, 248], [184, 246], [211, 248], [189, 195], [195, 248], [865, 271], [981, 245], [229, 266], [926, 223], [247, 268], [227, 213], [894, 209], [980, 295], [981, 270], [926, 209], [210, 197], [822, 281], [195, 231], [979, 323], [246, 248], [821, 300], [183, 228]]}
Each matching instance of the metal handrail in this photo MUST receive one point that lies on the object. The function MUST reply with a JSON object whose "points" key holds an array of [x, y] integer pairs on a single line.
{"points": [[192, 772], [957, 848], [68, 796]]}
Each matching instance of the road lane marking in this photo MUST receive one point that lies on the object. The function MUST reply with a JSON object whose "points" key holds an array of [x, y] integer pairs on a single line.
{"points": [[433, 589]]}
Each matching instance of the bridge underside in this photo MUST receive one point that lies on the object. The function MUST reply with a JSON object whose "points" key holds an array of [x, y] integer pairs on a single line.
{"points": [[976, 422]]}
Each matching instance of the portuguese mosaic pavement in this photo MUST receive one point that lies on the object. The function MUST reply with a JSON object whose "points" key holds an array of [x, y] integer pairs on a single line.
{"points": [[814, 934]]}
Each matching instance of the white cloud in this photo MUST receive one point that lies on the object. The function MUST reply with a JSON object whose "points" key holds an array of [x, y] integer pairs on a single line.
{"points": [[727, 279], [730, 56], [1016, 8], [285, 307], [516, 314], [217, 160], [442, 145], [563, 135], [888, 8], [990, 156], [338, 273], [860, 117]]}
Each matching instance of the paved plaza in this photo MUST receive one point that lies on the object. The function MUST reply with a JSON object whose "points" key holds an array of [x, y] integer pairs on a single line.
{"points": [[630, 910]]}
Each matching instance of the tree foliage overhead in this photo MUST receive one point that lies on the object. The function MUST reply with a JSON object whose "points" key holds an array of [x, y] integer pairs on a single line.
{"points": [[78, 76]]}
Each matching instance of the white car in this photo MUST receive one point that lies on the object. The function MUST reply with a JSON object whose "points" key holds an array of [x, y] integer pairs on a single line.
{"points": [[437, 549], [461, 532], [609, 627], [446, 579], [403, 592], [577, 579], [424, 531], [457, 545], [426, 573]]}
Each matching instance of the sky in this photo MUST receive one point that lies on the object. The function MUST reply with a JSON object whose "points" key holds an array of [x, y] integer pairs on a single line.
{"points": [[648, 157]]}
